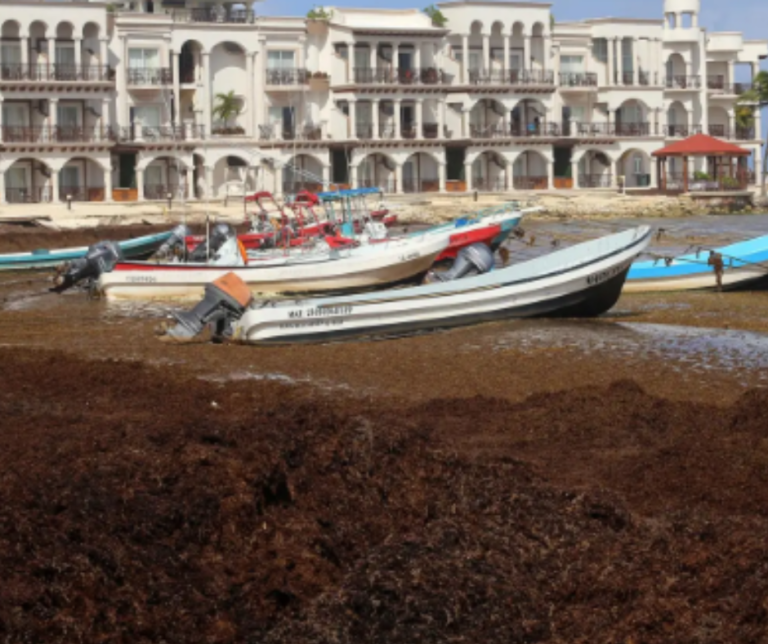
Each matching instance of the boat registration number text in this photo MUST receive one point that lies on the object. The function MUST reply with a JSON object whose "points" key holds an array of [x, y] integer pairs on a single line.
{"points": [[320, 312], [148, 279], [602, 276]]}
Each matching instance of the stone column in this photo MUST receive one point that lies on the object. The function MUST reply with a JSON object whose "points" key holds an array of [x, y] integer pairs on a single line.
{"points": [[758, 167], [326, 175], [2, 186], [354, 175], [505, 65], [176, 87], [398, 134], [617, 62], [78, 54], [526, 52], [352, 117], [55, 196], [575, 174], [758, 124], [441, 176], [25, 52], [440, 118], [417, 56], [108, 184], [465, 59], [140, 183], [251, 126], [373, 57], [395, 56], [205, 67], [635, 61], [375, 118], [208, 172], [486, 53], [103, 55], [53, 118], [547, 64], [730, 72], [420, 118], [464, 123], [509, 171], [550, 175], [468, 175], [106, 121], [399, 178], [732, 123]]}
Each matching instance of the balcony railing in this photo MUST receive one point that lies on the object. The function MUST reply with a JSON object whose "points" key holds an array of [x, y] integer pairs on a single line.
{"points": [[287, 76], [54, 134], [385, 185], [632, 129], [718, 85], [387, 131], [158, 191], [512, 77], [411, 185], [676, 181], [303, 133], [364, 131], [530, 182], [218, 14], [578, 79], [187, 132], [409, 131], [534, 128], [372, 75], [430, 130], [152, 76], [595, 180], [745, 133], [58, 73], [82, 193], [484, 184], [681, 130], [593, 129], [28, 195], [683, 82], [294, 187]]}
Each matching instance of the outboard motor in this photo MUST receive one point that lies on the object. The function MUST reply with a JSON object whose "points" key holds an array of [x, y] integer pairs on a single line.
{"points": [[220, 234], [176, 242], [474, 259], [100, 258], [225, 301]]}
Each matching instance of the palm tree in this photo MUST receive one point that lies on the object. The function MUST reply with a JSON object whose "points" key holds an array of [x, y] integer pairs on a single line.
{"points": [[227, 106], [749, 101]]}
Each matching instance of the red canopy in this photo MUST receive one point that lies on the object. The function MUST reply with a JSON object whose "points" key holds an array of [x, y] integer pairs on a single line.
{"points": [[701, 145]]}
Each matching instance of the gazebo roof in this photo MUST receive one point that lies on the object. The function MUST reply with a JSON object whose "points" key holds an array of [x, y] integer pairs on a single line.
{"points": [[701, 145]]}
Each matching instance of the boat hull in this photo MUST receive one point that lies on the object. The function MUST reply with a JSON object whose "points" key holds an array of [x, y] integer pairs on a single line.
{"points": [[587, 289], [138, 248], [359, 269], [733, 279]]}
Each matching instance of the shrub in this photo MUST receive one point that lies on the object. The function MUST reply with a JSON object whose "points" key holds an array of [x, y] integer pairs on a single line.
{"points": [[701, 176], [437, 17], [319, 13]]}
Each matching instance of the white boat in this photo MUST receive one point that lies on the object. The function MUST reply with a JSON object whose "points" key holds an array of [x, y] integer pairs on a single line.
{"points": [[583, 280], [369, 266]]}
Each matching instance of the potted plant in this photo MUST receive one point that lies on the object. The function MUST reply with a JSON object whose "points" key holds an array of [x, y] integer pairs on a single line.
{"points": [[317, 20], [319, 81], [436, 16], [228, 106]]}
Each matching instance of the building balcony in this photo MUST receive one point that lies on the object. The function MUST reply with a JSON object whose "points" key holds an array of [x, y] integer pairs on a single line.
{"points": [[275, 132], [681, 131], [512, 77], [82, 193], [717, 85], [57, 73], [150, 77], [56, 134], [637, 130], [682, 82], [28, 195], [143, 133], [738, 134], [218, 14], [363, 131], [388, 76], [578, 79], [411, 185], [628, 79], [595, 180], [287, 77], [592, 129]]}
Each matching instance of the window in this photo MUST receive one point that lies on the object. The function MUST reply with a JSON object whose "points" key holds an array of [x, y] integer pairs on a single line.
{"points": [[600, 49], [15, 115], [280, 59], [362, 57], [637, 162], [147, 115], [139, 58], [68, 116], [627, 59], [475, 60], [572, 64], [65, 54], [69, 177], [153, 175]]}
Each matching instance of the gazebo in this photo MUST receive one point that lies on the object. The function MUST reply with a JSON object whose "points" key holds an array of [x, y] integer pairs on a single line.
{"points": [[722, 172]]}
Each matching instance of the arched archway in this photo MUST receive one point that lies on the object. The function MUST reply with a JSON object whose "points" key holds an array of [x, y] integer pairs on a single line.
{"points": [[377, 170], [29, 180], [420, 173], [91, 48], [38, 32], [486, 119], [190, 61], [233, 175], [675, 72], [595, 169], [83, 178], [164, 177], [531, 171], [302, 172], [229, 76], [538, 50], [489, 172], [632, 119], [528, 118], [677, 120], [635, 166], [12, 68]]}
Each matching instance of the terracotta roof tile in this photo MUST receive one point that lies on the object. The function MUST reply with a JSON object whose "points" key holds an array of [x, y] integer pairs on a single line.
{"points": [[701, 145]]}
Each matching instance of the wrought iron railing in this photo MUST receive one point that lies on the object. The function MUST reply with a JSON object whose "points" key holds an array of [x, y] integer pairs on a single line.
{"points": [[595, 180], [152, 76], [28, 195], [54, 134], [58, 73], [578, 79], [683, 82], [287, 76], [530, 182]]}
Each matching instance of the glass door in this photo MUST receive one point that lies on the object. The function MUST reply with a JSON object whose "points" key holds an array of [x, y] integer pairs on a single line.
{"points": [[10, 54], [15, 122], [68, 122], [69, 181], [17, 184], [64, 59], [150, 119]]}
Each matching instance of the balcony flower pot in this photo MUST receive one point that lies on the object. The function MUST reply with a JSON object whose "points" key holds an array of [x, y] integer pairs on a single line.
{"points": [[228, 131], [317, 27]]}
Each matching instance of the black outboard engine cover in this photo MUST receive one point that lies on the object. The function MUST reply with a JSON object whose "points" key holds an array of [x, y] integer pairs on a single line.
{"points": [[225, 302], [219, 234], [474, 259], [100, 258], [175, 242]]}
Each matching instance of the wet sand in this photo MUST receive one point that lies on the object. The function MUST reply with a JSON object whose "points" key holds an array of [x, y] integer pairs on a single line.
{"points": [[534, 480]]}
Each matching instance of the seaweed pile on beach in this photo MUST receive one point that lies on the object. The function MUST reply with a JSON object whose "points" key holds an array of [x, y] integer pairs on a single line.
{"points": [[141, 506]]}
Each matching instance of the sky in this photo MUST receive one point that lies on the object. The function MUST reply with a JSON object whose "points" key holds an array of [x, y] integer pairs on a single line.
{"points": [[747, 16]]}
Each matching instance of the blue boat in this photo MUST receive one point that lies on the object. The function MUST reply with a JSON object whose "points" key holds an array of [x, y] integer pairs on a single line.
{"points": [[138, 248], [744, 263]]}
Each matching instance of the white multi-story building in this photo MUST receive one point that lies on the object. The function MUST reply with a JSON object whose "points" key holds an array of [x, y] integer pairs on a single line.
{"points": [[119, 102]]}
